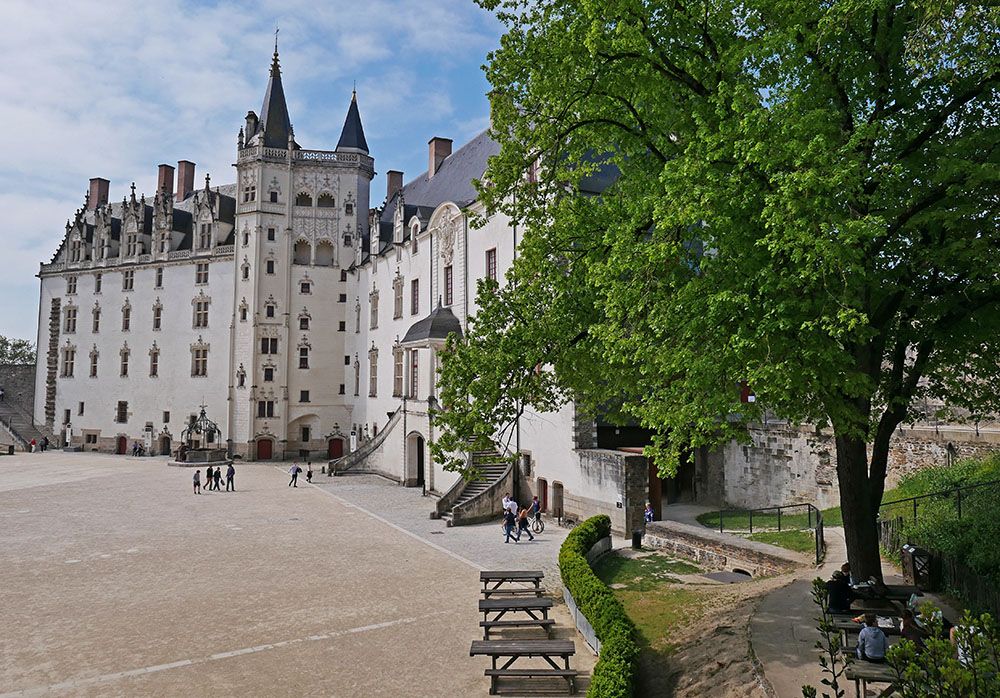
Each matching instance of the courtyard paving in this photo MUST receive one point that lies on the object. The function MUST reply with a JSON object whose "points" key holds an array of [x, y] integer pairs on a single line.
{"points": [[117, 580]]}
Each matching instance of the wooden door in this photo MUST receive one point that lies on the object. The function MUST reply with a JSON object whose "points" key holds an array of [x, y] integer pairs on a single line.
{"points": [[335, 449], [122, 446], [264, 449]]}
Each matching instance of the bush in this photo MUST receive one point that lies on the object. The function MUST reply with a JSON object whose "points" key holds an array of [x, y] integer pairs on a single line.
{"points": [[614, 674]]}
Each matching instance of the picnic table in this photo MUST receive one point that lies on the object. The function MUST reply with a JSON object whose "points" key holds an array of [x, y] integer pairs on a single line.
{"points": [[863, 673], [846, 626], [498, 581], [536, 609], [513, 650]]}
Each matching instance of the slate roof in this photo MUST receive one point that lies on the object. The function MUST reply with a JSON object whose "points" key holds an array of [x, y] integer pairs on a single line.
{"points": [[438, 325], [274, 112], [353, 133]]}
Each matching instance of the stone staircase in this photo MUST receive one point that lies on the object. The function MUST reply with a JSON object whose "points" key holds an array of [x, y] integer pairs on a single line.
{"points": [[471, 501], [18, 425]]}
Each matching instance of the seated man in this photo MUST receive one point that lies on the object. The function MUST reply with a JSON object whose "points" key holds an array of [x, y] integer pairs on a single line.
{"points": [[910, 630], [872, 643], [839, 593]]}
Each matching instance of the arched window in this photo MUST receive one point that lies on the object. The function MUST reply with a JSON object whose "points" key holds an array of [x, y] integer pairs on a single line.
{"points": [[325, 201], [303, 199], [303, 252]]}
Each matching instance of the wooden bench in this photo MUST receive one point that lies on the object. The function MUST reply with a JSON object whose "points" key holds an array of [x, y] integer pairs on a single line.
{"points": [[495, 581], [536, 609], [513, 650], [863, 673]]}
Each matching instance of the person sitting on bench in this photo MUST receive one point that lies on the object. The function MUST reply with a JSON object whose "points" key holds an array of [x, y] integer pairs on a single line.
{"points": [[839, 593], [872, 644]]}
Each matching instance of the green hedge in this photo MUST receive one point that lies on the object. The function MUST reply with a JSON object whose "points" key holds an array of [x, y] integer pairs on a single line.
{"points": [[614, 674]]}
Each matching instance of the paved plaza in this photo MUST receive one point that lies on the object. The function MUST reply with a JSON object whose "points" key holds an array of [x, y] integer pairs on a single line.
{"points": [[119, 581]]}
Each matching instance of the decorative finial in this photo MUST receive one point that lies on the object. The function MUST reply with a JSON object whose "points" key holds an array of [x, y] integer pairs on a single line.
{"points": [[275, 68], [86, 199], [208, 178], [354, 92], [133, 191]]}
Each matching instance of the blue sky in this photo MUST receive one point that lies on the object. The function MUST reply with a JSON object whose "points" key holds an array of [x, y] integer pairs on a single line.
{"points": [[113, 88]]}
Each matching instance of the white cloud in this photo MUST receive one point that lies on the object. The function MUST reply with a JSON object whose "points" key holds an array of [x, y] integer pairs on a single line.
{"points": [[113, 88]]}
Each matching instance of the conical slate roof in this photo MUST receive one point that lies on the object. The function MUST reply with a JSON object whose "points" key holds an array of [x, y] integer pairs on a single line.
{"points": [[353, 135], [274, 112]]}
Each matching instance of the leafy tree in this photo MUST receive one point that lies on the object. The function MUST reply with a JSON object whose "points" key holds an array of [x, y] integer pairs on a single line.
{"points": [[807, 202], [19, 352]]}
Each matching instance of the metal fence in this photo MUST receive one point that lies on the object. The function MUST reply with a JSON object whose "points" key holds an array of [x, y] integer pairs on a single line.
{"points": [[789, 517]]}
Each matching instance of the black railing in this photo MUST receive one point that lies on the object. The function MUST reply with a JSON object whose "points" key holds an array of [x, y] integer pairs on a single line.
{"points": [[910, 506], [788, 518]]}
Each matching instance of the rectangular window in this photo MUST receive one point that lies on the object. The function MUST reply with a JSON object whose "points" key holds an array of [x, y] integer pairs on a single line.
{"points": [[126, 318], [157, 317], [70, 285], [343, 275], [414, 372], [413, 240], [69, 326], [205, 236], [166, 417], [303, 323], [265, 408], [69, 359], [397, 299], [201, 273], [304, 397], [269, 311], [269, 266], [303, 357], [199, 362], [342, 298], [373, 374], [154, 364], [491, 264], [97, 320], [414, 296], [93, 365], [342, 389], [347, 360], [397, 372], [274, 197], [373, 299], [449, 296], [97, 283], [67, 413], [121, 413], [243, 314], [128, 280], [270, 234], [268, 375], [200, 314], [124, 365], [159, 278], [305, 287], [341, 326], [269, 345]]}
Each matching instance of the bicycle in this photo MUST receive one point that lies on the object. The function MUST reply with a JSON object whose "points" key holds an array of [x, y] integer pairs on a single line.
{"points": [[537, 524]]}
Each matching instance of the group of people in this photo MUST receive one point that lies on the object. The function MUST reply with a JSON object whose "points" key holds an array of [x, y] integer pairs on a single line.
{"points": [[213, 479], [37, 446], [518, 520], [296, 469], [138, 449]]}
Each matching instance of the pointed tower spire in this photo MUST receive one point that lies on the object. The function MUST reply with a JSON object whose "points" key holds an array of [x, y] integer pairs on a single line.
{"points": [[353, 135], [274, 121]]}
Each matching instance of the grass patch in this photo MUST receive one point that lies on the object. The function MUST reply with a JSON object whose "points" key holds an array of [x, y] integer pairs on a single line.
{"points": [[641, 573], [658, 609], [801, 541], [740, 520]]}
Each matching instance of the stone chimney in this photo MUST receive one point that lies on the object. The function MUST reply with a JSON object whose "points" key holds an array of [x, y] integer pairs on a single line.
{"points": [[98, 192], [438, 150], [393, 183], [165, 179], [185, 179]]}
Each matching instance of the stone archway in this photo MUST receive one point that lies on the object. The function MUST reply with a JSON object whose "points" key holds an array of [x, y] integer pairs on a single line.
{"points": [[416, 475]]}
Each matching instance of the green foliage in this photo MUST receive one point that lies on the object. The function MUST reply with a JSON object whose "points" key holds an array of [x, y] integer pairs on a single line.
{"points": [[972, 540], [806, 202], [829, 645], [614, 673], [20, 352]]}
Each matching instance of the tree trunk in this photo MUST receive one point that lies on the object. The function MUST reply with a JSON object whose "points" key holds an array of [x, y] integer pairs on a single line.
{"points": [[859, 508]]}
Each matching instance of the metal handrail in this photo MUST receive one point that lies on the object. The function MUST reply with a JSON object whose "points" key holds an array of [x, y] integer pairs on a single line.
{"points": [[815, 521], [941, 493]]}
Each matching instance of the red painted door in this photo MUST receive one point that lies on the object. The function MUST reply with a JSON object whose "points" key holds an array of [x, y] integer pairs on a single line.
{"points": [[264, 449], [122, 446], [335, 448]]}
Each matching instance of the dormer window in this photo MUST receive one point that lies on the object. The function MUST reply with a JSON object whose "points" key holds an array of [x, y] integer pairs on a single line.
{"points": [[414, 232], [205, 236]]}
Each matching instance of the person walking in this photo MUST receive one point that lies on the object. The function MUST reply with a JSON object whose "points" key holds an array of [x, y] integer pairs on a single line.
{"points": [[649, 513], [536, 508], [209, 473], [45, 443], [197, 482], [522, 525], [294, 472], [509, 521], [309, 471], [217, 478], [230, 474], [34, 445]]}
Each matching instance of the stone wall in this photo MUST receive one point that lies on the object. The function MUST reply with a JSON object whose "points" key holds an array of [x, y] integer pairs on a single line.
{"points": [[18, 383], [785, 464], [613, 483]]}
